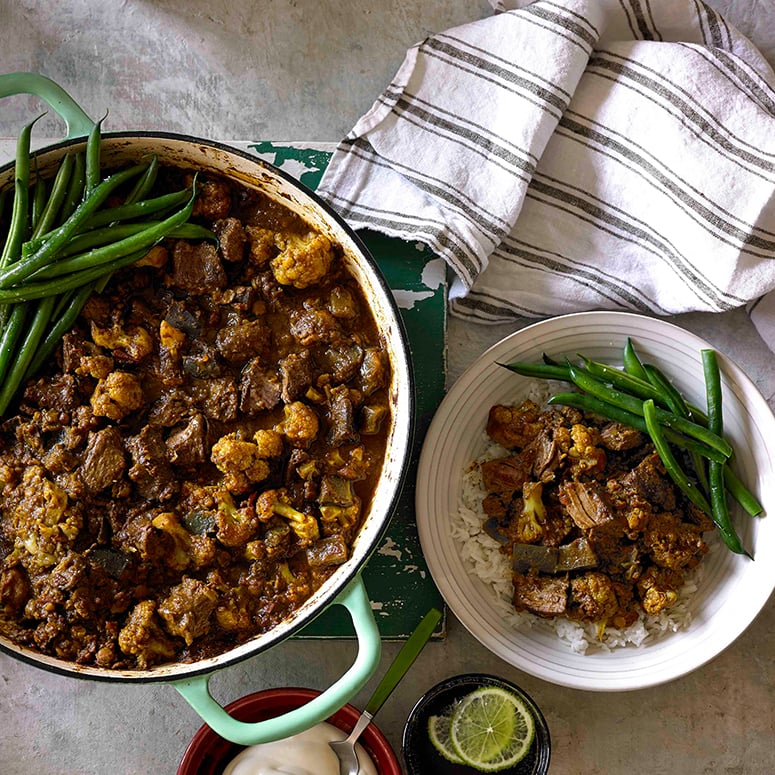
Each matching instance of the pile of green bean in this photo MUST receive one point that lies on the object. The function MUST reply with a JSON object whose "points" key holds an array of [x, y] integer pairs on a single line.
{"points": [[641, 396], [63, 242]]}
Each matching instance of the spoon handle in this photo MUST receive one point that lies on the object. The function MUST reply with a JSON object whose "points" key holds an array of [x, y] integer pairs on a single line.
{"points": [[404, 660]]}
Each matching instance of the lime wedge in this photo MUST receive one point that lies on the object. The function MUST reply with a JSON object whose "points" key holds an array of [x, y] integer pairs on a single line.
{"points": [[438, 731], [491, 729]]}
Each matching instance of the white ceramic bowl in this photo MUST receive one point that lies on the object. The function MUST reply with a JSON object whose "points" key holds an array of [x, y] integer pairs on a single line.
{"points": [[732, 590]]}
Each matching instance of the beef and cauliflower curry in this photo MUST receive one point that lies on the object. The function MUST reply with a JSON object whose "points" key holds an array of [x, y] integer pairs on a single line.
{"points": [[197, 458], [595, 528]]}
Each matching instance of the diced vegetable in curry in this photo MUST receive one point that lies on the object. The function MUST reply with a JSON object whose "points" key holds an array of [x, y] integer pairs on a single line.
{"points": [[198, 457]]}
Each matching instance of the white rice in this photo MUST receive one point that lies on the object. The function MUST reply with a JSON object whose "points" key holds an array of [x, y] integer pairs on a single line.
{"points": [[484, 560]]}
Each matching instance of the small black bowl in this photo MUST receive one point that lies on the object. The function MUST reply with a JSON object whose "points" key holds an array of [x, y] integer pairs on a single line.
{"points": [[420, 757]]}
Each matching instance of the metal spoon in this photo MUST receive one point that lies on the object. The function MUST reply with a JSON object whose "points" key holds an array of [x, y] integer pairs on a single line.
{"points": [[345, 749]]}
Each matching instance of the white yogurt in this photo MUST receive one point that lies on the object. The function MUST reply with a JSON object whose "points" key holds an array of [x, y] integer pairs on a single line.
{"points": [[307, 753]]}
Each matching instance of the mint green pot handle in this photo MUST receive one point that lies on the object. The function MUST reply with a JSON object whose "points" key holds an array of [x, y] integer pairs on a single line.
{"points": [[196, 690], [78, 123]]}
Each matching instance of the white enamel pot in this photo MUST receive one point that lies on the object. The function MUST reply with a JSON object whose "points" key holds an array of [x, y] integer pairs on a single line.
{"points": [[345, 587]]}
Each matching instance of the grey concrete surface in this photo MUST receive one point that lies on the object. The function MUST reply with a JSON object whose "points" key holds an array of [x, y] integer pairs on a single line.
{"points": [[306, 70]]}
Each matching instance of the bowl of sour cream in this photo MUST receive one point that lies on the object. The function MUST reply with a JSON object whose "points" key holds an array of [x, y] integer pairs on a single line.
{"points": [[306, 753]]}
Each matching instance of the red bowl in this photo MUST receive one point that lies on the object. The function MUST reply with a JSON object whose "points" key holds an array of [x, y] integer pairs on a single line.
{"points": [[208, 753]]}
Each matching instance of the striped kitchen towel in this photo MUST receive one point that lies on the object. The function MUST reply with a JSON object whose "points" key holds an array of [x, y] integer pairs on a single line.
{"points": [[570, 155]]}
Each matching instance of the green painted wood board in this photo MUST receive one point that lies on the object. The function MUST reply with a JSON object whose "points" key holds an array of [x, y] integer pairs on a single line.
{"points": [[396, 575]]}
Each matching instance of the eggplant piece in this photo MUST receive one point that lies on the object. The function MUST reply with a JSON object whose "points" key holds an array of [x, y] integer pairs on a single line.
{"points": [[534, 557], [112, 562], [493, 529], [577, 555]]}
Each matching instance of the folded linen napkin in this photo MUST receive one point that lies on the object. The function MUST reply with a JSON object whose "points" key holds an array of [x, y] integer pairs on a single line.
{"points": [[569, 155]]}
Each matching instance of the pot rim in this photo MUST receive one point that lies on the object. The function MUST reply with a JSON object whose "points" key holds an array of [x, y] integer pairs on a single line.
{"points": [[335, 585]]}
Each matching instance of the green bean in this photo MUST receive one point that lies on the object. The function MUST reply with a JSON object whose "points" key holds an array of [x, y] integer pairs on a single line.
{"points": [[678, 405], [623, 380], [718, 493], [137, 240], [139, 209], [590, 384], [75, 188], [58, 285], [65, 318], [720, 511], [632, 363], [144, 185], [39, 191], [672, 467], [17, 231], [56, 197], [108, 235], [92, 171], [26, 352], [12, 331], [589, 403], [26, 266], [741, 493], [538, 370]]}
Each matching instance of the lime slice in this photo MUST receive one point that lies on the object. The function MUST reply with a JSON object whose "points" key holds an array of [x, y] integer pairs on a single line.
{"points": [[491, 729], [438, 731]]}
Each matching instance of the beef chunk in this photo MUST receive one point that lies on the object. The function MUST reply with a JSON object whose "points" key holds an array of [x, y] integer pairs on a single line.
{"points": [[619, 437], [187, 609], [187, 444], [586, 503], [14, 590], [217, 398], [60, 393], [243, 340], [259, 388], [171, 408], [647, 482], [151, 471], [542, 595], [232, 238], [296, 373], [105, 460], [315, 326], [196, 267], [508, 474]]}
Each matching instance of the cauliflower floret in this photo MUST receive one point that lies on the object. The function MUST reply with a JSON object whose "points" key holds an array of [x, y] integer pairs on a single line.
{"points": [[134, 343], [585, 453], [170, 337], [143, 636], [530, 521], [272, 502], [241, 462], [514, 426], [300, 425], [117, 395], [42, 524], [262, 244], [189, 549], [304, 259], [269, 443]]}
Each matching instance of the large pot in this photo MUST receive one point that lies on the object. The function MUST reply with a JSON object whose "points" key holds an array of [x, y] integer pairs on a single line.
{"points": [[346, 586]]}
